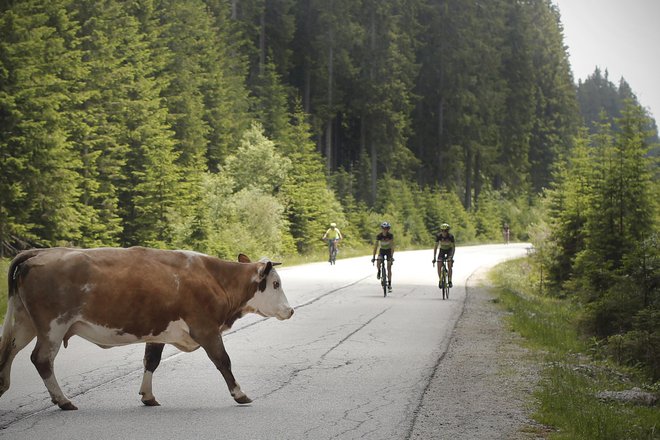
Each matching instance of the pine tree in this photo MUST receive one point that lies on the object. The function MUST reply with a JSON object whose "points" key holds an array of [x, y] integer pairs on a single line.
{"points": [[556, 115], [226, 96], [39, 184]]}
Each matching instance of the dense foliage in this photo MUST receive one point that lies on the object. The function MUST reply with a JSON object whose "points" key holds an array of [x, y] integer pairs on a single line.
{"points": [[222, 124], [602, 246]]}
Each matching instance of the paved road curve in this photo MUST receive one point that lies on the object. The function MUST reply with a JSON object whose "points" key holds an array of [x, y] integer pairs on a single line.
{"points": [[350, 364]]}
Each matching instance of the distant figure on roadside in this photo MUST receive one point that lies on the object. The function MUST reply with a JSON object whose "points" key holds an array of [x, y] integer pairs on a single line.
{"points": [[506, 233], [447, 246]]}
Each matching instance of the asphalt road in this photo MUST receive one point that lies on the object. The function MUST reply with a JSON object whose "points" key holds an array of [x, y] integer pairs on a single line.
{"points": [[349, 364]]}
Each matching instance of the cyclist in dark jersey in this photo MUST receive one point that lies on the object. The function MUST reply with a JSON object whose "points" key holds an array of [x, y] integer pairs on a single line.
{"points": [[445, 241], [385, 241]]}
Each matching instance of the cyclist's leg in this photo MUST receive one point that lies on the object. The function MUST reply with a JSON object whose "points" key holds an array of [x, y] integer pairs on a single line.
{"points": [[389, 268], [450, 267]]}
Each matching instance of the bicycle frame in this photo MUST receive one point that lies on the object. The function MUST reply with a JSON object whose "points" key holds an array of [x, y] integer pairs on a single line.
{"points": [[443, 278], [444, 273], [332, 251], [382, 268]]}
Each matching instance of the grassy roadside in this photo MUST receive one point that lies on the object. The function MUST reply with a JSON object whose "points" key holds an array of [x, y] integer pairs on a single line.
{"points": [[566, 402]]}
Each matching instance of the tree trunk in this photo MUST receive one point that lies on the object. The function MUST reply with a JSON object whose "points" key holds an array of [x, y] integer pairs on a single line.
{"points": [[328, 143], [262, 41], [328, 129], [374, 169], [372, 144], [307, 70], [468, 177], [439, 156], [477, 177]]}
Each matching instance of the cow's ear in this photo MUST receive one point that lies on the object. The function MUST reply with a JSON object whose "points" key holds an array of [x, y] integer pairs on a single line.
{"points": [[242, 258], [265, 269]]}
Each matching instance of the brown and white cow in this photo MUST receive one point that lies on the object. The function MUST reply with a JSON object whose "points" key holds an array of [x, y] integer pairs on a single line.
{"points": [[114, 296]]}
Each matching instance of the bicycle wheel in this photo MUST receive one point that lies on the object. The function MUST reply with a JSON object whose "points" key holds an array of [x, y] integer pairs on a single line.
{"points": [[445, 284], [333, 255], [383, 277]]}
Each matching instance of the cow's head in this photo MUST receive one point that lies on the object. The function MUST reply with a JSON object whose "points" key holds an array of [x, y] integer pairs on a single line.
{"points": [[269, 299]]}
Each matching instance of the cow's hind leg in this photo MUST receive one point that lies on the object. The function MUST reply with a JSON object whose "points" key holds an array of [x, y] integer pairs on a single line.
{"points": [[17, 332], [215, 349], [43, 358], [152, 355]]}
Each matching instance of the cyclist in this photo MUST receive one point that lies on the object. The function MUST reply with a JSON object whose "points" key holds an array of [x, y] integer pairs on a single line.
{"points": [[333, 236], [445, 241], [385, 241]]}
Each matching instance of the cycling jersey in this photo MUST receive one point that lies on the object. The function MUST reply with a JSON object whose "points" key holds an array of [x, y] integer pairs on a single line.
{"points": [[446, 244], [385, 240], [332, 234]]}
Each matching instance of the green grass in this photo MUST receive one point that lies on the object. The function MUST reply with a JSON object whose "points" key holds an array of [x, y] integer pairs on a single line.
{"points": [[566, 401]]}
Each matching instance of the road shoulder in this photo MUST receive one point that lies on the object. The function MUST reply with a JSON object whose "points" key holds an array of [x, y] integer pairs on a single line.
{"points": [[482, 387]]}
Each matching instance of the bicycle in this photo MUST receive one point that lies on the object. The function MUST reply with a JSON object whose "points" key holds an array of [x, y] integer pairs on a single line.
{"points": [[332, 251], [443, 283], [382, 270]]}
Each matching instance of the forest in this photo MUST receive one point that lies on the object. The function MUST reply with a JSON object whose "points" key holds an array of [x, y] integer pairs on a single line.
{"points": [[229, 126]]}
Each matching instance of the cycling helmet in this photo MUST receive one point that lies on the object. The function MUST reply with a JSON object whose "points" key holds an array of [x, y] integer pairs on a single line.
{"points": [[332, 225], [385, 225], [444, 227]]}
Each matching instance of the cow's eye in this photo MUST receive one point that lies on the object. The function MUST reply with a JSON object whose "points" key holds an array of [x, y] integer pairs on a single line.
{"points": [[276, 285]]}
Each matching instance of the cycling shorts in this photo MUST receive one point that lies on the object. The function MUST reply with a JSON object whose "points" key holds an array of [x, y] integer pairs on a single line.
{"points": [[445, 254], [385, 252]]}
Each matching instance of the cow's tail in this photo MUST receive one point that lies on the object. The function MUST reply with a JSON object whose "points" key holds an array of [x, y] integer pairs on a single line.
{"points": [[14, 273], [13, 276]]}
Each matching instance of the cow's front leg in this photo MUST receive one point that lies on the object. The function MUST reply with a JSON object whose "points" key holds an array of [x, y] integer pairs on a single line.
{"points": [[215, 349], [152, 355], [43, 357]]}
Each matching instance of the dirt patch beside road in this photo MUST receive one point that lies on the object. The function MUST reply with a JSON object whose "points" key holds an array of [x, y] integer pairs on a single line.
{"points": [[482, 387]]}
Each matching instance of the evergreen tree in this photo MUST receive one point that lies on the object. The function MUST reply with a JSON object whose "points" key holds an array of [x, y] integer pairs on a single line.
{"points": [[310, 204], [226, 97], [513, 168], [39, 67], [556, 119], [622, 216], [148, 177], [570, 199]]}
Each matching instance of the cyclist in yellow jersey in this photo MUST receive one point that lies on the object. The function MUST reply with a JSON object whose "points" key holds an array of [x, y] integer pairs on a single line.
{"points": [[385, 241], [445, 241], [333, 235]]}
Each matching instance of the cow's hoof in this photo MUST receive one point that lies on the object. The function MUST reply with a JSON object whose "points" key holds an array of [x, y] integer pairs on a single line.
{"points": [[68, 406], [243, 400], [151, 402]]}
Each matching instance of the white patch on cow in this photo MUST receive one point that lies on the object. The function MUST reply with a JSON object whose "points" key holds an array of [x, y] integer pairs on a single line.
{"points": [[146, 390], [177, 281], [177, 333], [271, 302], [57, 329], [87, 288]]}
